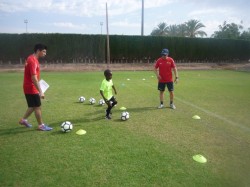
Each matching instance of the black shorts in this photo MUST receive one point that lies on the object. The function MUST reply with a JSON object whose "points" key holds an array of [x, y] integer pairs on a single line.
{"points": [[33, 100], [162, 86], [113, 100]]}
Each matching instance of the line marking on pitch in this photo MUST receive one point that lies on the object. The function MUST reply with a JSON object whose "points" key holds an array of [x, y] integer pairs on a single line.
{"points": [[214, 115], [210, 113]]}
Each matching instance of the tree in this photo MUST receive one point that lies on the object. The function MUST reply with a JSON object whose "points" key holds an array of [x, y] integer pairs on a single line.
{"points": [[182, 30], [228, 31], [245, 35], [193, 29], [188, 29], [161, 30], [173, 30], [177, 30]]}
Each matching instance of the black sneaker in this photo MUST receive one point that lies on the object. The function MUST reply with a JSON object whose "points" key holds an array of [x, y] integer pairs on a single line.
{"points": [[108, 117]]}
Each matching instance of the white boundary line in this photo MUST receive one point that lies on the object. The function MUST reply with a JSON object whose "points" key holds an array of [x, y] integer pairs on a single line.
{"points": [[214, 115], [208, 112]]}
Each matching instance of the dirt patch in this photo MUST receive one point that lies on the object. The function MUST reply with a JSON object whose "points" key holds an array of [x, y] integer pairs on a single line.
{"points": [[244, 66]]}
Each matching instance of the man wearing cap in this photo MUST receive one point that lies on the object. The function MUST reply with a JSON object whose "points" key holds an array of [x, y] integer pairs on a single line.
{"points": [[163, 69]]}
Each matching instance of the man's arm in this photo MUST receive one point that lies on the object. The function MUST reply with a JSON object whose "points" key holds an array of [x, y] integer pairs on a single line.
{"points": [[156, 73], [37, 85], [176, 75]]}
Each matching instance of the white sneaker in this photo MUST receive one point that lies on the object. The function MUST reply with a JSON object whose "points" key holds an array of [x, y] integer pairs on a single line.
{"points": [[172, 106], [161, 106]]}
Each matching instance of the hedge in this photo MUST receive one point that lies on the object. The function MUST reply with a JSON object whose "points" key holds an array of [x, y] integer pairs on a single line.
{"points": [[68, 48]]}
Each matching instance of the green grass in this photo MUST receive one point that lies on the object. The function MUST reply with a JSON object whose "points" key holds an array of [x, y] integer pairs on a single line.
{"points": [[153, 148]]}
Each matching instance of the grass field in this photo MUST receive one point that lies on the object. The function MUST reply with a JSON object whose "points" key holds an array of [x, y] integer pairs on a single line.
{"points": [[153, 148]]}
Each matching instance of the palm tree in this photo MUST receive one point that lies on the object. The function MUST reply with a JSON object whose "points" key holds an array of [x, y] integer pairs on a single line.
{"points": [[193, 27], [161, 30], [173, 30], [182, 30]]}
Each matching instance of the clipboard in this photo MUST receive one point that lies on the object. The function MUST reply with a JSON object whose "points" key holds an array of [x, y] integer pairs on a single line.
{"points": [[43, 85]]}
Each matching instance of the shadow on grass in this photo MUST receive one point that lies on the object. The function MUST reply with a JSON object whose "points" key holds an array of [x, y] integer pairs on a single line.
{"points": [[89, 118], [100, 114], [16, 130], [140, 109], [119, 121], [57, 132], [88, 104], [77, 121]]}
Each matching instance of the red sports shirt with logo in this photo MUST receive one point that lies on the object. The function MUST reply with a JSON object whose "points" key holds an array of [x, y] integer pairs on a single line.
{"points": [[32, 67], [165, 67]]}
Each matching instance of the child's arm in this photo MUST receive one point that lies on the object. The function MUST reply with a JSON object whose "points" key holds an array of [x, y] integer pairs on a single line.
{"points": [[106, 101], [101, 92], [114, 89]]}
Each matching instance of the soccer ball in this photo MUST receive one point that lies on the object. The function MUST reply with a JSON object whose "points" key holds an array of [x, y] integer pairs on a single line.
{"points": [[81, 99], [66, 126], [92, 101], [124, 116], [101, 102]]}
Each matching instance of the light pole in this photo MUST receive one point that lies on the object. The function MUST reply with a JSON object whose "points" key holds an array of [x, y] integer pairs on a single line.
{"points": [[142, 18], [101, 23], [108, 48], [26, 22]]}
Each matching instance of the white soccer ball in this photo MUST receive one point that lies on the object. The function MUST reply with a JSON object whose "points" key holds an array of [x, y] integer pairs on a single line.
{"points": [[92, 101], [81, 99], [124, 116], [101, 102], [66, 126]]}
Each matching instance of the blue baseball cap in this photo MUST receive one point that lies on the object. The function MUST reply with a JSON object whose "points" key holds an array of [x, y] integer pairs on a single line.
{"points": [[164, 52]]}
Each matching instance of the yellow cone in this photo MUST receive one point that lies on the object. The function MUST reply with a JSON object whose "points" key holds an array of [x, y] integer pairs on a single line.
{"points": [[196, 117], [81, 132], [200, 158], [123, 108]]}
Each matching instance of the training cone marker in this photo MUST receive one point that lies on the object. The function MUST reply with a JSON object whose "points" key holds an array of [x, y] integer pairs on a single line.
{"points": [[196, 117], [123, 108], [200, 158], [81, 132]]}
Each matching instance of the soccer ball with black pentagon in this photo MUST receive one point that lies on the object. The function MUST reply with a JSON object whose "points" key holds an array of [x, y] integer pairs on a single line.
{"points": [[81, 99], [92, 101], [101, 102], [124, 116], [66, 126]]}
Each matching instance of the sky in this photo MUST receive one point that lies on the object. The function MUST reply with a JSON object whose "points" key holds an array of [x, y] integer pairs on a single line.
{"points": [[124, 16]]}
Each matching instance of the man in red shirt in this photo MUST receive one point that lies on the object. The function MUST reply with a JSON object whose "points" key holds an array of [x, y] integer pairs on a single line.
{"points": [[32, 89], [163, 70]]}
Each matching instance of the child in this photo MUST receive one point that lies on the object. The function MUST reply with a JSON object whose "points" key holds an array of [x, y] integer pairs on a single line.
{"points": [[106, 92]]}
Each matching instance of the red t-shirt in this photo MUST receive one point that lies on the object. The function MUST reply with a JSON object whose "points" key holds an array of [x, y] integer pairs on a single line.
{"points": [[165, 67], [32, 67]]}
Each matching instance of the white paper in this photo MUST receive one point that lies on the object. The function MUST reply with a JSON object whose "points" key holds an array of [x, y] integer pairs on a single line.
{"points": [[43, 85]]}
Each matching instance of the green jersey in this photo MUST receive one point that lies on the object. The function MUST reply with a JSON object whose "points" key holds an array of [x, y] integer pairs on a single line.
{"points": [[106, 87]]}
